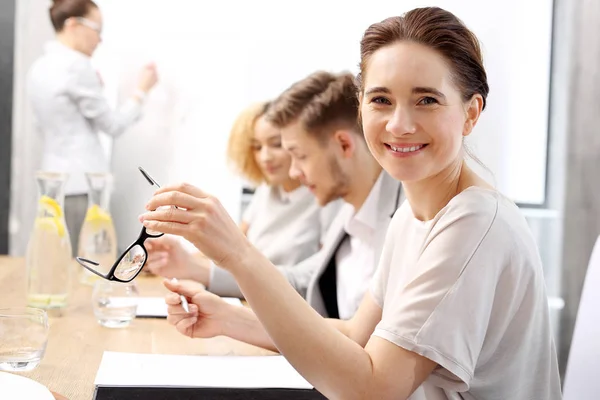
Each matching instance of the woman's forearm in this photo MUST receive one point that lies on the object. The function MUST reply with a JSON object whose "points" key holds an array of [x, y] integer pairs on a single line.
{"points": [[200, 268], [245, 327], [333, 363]]}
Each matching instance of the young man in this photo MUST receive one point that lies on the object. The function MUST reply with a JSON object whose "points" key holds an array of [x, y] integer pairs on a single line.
{"points": [[318, 118]]}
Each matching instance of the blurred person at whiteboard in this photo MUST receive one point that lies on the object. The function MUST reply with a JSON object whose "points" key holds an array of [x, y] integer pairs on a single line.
{"points": [[283, 218], [69, 105]]}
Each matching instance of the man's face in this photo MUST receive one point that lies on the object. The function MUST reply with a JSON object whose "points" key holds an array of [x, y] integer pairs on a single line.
{"points": [[316, 163]]}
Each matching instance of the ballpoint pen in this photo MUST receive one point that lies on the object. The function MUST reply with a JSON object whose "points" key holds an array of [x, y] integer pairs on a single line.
{"points": [[184, 302]]}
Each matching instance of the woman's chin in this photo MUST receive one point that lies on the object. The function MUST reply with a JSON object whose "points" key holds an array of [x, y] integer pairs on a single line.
{"points": [[404, 174], [274, 180]]}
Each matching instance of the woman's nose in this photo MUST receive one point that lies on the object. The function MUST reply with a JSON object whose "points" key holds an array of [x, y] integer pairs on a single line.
{"points": [[401, 122]]}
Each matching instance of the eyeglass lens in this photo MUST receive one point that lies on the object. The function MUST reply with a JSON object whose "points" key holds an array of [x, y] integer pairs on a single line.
{"points": [[131, 263]]}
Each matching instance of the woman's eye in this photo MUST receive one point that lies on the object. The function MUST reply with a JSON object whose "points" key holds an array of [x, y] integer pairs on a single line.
{"points": [[380, 100], [427, 101]]}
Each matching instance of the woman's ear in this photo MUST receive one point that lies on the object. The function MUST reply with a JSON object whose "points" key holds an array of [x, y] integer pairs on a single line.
{"points": [[69, 22], [473, 110]]}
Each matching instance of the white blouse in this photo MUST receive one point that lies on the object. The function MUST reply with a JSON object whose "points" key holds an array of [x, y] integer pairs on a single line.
{"points": [[70, 110], [285, 227]]}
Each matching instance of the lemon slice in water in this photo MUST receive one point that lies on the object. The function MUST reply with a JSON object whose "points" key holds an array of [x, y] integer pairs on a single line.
{"points": [[51, 221], [96, 215], [46, 300], [51, 224], [51, 206]]}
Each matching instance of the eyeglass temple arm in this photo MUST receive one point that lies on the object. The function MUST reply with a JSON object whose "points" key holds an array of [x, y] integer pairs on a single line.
{"points": [[148, 177], [87, 261]]}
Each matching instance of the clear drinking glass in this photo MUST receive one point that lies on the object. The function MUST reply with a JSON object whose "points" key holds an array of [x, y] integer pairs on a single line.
{"points": [[23, 338], [114, 303]]}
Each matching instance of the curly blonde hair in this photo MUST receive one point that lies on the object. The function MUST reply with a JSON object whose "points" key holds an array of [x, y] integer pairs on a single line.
{"points": [[239, 149]]}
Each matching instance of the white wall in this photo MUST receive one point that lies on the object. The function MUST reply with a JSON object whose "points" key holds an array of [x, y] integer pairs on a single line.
{"points": [[33, 29], [214, 60], [240, 51]]}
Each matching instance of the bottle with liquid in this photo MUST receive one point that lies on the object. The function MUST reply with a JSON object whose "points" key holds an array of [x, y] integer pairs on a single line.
{"points": [[98, 238], [48, 259]]}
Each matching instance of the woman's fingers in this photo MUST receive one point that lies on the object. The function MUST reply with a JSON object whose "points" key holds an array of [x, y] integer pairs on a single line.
{"points": [[184, 326], [172, 198], [157, 267], [183, 188], [178, 317], [169, 214], [172, 228], [172, 299], [182, 323], [185, 287], [156, 256], [162, 244], [201, 219], [178, 311]]}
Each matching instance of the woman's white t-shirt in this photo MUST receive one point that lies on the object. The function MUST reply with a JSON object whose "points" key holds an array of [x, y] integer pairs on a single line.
{"points": [[466, 290]]}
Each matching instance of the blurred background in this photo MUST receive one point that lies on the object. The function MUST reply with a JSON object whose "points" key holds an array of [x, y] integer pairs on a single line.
{"points": [[538, 137]]}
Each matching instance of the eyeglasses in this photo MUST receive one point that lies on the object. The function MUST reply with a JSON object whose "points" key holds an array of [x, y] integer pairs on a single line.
{"points": [[131, 262], [90, 24]]}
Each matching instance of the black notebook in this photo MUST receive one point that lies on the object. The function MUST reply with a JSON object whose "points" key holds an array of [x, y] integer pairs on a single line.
{"points": [[157, 376], [155, 393]]}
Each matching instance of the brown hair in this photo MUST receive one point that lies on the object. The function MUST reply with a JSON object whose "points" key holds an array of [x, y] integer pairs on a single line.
{"points": [[320, 102], [61, 10], [239, 148], [437, 29]]}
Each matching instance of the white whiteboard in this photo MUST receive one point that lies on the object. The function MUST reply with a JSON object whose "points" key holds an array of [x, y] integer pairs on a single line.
{"points": [[214, 58]]}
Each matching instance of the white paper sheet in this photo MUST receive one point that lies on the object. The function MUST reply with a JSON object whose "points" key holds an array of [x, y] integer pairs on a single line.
{"points": [[158, 370], [156, 306]]}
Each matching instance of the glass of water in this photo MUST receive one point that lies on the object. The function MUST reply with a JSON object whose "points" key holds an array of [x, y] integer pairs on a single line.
{"points": [[114, 303], [23, 338]]}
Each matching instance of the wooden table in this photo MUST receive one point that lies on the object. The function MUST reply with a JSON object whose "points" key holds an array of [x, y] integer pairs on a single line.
{"points": [[76, 341]]}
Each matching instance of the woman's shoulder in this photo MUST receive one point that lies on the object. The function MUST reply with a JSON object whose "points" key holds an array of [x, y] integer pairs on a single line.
{"points": [[473, 201], [474, 210], [480, 212], [482, 202]]}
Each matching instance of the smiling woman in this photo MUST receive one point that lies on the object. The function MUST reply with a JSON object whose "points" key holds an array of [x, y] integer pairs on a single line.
{"points": [[255, 151], [457, 307]]}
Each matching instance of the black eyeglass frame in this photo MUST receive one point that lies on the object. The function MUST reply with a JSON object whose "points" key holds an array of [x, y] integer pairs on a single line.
{"points": [[110, 276]]}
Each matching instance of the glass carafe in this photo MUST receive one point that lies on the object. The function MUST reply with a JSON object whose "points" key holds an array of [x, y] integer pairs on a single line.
{"points": [[98, 239], [48, 259]]}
